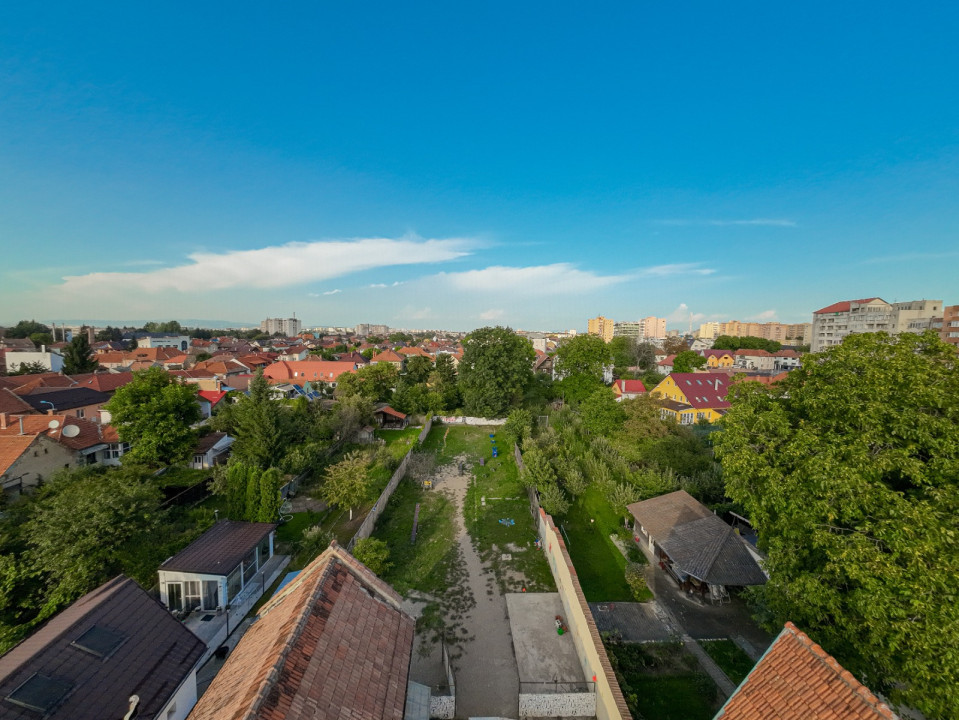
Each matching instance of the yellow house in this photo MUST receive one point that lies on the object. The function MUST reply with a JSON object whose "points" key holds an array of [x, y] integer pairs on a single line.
{"points": [[688, 398], [718, 358]]}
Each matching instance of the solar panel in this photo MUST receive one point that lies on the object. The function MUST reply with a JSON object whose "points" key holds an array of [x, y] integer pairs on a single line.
{"points": [[99, 641], [40, 693]]}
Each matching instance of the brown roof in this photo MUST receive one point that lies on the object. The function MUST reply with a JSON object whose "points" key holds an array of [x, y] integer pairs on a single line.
{"points": [[387, 356], [798, 680], [843, 306], [220, 549], [11, 448], [207, 442], [155, 654], [11, 403], [106, 382], [661, 514], [334, 643], [89, 432]]}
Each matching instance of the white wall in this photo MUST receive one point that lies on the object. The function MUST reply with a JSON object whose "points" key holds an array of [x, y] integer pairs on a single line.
{"points": [[50, 360], [182, 703]]}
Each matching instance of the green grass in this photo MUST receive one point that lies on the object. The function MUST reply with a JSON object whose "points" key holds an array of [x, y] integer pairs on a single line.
{"points": [[449, 441], [662, 681], [292, 530], [730, 657], [599, 564], [404, 439]]}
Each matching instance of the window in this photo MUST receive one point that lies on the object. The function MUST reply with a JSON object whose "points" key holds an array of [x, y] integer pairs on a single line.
{"points": [[198, 459], [249, 566], [81, 412], [191, 594], [234, 583]]}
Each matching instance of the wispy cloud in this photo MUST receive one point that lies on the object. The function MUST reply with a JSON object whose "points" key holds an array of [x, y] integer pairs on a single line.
{"points": [[682, 315], [332, 292], [534, 280], [910, 257], [274, 267], [764, 316], [761, 222], [493, 314], [675, 269], [414, 313], [396, 283]]}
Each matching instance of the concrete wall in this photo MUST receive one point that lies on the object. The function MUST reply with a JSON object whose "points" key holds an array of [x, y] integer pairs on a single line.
{"points": [[425, 432], [557, 705], [366, 529], [180, 705], [462, 420], [610, 704], [442, 707]]}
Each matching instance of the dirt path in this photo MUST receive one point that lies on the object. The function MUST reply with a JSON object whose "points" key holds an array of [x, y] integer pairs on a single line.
{"points": [[487, 679]]}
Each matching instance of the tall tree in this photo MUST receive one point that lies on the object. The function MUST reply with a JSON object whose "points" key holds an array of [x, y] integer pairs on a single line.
{"points": [[586, 355], [418, 369], [602, 415], [346, 484], [154, 412], [78, 357], [849, 468], [746, 342], [261, 425], [497, 365], [374, 382]]}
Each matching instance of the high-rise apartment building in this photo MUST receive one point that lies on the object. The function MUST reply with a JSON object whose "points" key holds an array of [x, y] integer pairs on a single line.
{"points": [[653, 327], [950, 325], [285, 326], [834, 322], [629, 328], [601, 327]]}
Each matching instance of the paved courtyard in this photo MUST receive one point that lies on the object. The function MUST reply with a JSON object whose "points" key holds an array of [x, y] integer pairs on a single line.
{"points": [[546, 660], [635, 622]]}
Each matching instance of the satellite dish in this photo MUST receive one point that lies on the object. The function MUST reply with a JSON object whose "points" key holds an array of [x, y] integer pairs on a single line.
{"points": [[105, 417], [70, 431], [53, 424]]}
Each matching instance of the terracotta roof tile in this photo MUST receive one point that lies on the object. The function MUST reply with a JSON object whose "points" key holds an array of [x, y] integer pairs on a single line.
{"points": [[11, 448], [843, 306], [797, 680], [334, 643]]}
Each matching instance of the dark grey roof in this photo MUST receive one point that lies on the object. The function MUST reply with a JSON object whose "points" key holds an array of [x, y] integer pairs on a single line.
{"points": [[206, 443], [65, 398], [143, 651], [220, 549], [710, 550], [697, 541]]}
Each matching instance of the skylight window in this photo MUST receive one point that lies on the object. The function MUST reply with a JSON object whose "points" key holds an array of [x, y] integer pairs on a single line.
{"points": [[40, 693], [99, 641]]}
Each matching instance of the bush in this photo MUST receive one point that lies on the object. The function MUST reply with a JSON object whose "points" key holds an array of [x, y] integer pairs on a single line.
{"points": [[315, 540], [636, 581], [373, 553]]}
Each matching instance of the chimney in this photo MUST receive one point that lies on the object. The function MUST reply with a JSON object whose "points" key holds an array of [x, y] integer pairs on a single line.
{"points": [[21, 424], [50, 411], [3, 421]]}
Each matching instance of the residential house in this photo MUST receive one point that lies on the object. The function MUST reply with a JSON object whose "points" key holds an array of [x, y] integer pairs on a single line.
{"points": [[409, 352], [786, 360], [19, 344], [388, 356], [544, 363], [701, 552], [688, 398], [665, 366], [12, 403], [105, 382], [232, 563], [162, 340], [90, 441], [760, 360], [114, 653], [209, 399], [718, 358], [52, 361], [797, 680], [312, 371], [628, 389], [211, 449], [294, 353], [29, 459], [78, 402], [333, 643], [390, 419]]}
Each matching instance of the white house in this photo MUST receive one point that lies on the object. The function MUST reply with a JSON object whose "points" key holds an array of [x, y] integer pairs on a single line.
{"points": [[50, 360], [209, 448]]}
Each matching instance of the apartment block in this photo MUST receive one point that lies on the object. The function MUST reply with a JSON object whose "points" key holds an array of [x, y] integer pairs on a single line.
{"points": [[653, 327], [834, 322], [285, 326], [629, 328], [601, 327], [950, 325]]}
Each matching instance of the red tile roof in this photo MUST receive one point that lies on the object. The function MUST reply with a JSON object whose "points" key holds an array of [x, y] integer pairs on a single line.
{"points": [[798, 680], [11, 448], [387, 356], [106, 382], [301, 371], [334, 643], [758, 352], [843, 306], [10, 402], [630, 386], [212, 396], [90, 433]]}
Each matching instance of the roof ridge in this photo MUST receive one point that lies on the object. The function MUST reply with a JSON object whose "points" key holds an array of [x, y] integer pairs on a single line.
{"points": [[708, 555]]}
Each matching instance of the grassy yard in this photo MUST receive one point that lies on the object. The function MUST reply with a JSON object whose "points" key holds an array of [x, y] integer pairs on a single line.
{"points": [[730, 657], [399, 441], [497, 485], [599, 564], [662, 681]]}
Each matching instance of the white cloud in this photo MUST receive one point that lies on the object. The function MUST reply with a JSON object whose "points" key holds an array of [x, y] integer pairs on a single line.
{"points": [[764, 316], [396, 283], [534, 280], [414, 313], [675, 269], [681, 316], [274, 267], [493, 314], [761, 222], [332, 292]]}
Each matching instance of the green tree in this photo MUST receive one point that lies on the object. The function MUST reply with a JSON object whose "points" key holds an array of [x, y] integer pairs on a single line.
{"points": [[495, 369], [26, 328], [445, 368], [517, 428], [675, 345], [602, 415], [30, 368], [269, 500], [418, 369], [41, 338], [746, 342], [374, 553], [350, 415], [78, 357], [374, 382], [586, 355], [553, 500], [99, 518], [850, 470], [345, 484], [109, 334], [262, 426], [623, 352], [688, 361], [154, 413]]}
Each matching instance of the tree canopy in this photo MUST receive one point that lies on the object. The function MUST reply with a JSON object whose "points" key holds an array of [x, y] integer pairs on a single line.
{"points": [[495, 369], [78, 357], [746, 342], [261, 425], [374, 382], [26, 328], [687, 361], [849, 468], [346, 484], [154, 413]]}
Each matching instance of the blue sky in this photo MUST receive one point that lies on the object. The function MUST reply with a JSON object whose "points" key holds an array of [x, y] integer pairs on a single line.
{"points": [[445, 165]]}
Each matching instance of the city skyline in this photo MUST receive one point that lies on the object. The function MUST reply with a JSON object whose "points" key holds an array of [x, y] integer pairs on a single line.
{"points": [[453, 167]]}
